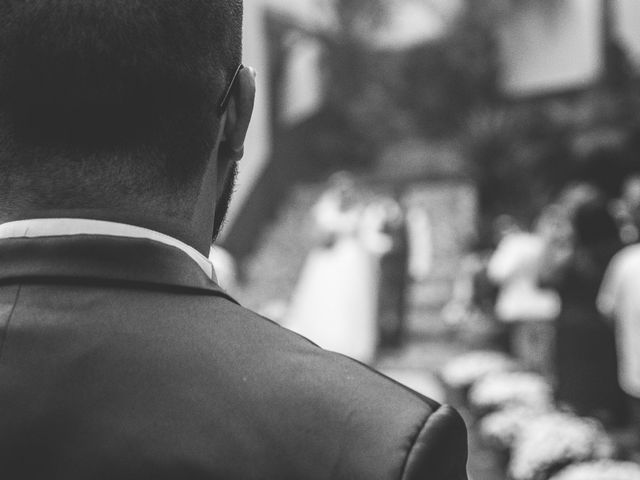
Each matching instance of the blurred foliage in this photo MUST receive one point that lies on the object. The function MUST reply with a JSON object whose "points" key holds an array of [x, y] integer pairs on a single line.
{"points": [[376, 96], [425, 91], [523, 154], [519, 153]]}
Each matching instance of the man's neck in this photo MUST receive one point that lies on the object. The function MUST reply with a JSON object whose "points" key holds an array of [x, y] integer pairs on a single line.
{"points": [[180, 230]]}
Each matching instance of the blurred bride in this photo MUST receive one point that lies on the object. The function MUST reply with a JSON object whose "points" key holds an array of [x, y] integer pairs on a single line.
{"points": [[335, 301]]}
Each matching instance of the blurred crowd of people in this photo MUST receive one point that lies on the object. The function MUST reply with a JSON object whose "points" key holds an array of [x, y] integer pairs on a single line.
{"points": [[566, 296]]}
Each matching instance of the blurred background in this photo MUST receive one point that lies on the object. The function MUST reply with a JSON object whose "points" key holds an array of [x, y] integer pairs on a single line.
{"points": [[437, 188]]}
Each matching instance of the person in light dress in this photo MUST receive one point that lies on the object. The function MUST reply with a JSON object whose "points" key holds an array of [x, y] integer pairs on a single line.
{"points": [[335, 301]]}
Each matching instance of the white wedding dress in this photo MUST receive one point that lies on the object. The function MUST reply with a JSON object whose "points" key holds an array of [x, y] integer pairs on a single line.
{"points": [[335, 301]]}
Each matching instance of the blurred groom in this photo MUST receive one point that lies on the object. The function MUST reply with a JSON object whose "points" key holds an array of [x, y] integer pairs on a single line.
{"points": [[121, 125]]}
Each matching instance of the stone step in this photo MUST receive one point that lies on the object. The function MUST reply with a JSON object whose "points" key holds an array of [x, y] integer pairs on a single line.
{"points": [[426, 321], [431, 294], [272, 272]]}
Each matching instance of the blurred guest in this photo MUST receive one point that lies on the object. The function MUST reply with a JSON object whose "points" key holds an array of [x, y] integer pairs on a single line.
{"points": [[521, 303], [336, 210], [502, 227], [473, 295], [627, 209], [484, 292], [514, 266], [574, 265], [335, 301], [393, 275], [619, 299]]}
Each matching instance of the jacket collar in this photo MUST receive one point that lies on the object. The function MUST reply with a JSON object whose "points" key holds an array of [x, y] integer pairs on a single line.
{"points": [[78, 256], [56, 227]]}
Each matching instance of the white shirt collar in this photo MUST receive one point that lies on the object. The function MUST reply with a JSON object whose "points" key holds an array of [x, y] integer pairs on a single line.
{"points": [[56, 227]]}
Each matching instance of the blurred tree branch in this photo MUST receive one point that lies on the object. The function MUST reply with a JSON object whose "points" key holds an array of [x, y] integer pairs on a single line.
{"points": [[425, 91], [447, 89]]}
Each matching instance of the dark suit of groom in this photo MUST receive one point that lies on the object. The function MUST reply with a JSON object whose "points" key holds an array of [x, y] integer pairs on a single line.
{"points": [[121, 125]]}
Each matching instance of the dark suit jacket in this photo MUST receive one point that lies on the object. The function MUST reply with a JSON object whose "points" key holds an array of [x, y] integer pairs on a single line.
{"points": [[120, 359]]}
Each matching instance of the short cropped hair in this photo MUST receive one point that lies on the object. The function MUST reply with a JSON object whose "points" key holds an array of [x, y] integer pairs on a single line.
{"points": [[127, 86]]}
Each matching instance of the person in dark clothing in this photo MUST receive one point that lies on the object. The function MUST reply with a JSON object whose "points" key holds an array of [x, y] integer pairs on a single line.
{"points": [[393, 277], [585, 344]]}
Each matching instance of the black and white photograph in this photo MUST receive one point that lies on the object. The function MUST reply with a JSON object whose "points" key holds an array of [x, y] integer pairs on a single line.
{"points": [[320, 239]]}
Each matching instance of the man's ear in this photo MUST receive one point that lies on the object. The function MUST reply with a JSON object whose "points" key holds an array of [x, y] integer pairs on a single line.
{"points": [[238, 115]]}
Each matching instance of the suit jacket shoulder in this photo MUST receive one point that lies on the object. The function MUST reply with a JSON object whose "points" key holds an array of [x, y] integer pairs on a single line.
{"points": [[119, 360], [440, 449], [375, 427]]}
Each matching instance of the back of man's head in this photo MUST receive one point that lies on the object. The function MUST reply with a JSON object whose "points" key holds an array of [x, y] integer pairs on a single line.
{"points": [[104, 98]]}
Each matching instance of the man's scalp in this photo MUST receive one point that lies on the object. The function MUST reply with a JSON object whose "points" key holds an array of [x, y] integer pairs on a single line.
{"points": [[99, 73]]}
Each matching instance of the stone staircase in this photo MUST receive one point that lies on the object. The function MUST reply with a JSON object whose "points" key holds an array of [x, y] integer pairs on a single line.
{"points": [[271, 273]]}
